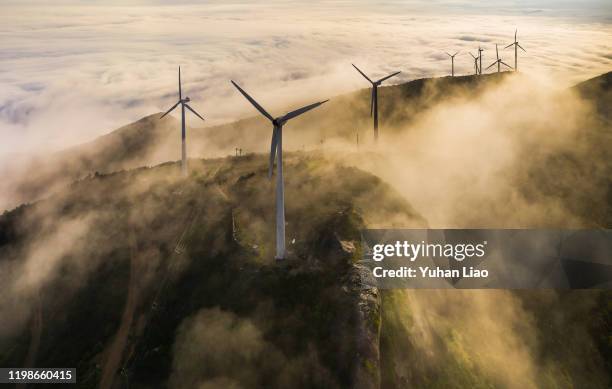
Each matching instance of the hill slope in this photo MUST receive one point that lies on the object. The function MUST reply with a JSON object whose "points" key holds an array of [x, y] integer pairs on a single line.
{"points": [[129, 276], [151, 141], [144, 279]]}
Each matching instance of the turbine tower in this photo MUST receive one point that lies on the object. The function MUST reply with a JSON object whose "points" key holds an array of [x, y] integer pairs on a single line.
{"points": [[452, 57], [183, 102], [480, 50], [498, 61], [475, 64], [374, 99], [516, 46], [276, 149]]}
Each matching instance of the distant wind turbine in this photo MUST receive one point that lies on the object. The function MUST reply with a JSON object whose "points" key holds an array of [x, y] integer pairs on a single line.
{"points": [[499, 62], [480, 50], [276, 149], [374, 99], [516, 46], [452, 57], [475, 63], [183, 102]]}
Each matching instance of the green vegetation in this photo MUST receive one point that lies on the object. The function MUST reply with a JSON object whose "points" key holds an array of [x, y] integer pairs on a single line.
{"points": [[187, 245]]}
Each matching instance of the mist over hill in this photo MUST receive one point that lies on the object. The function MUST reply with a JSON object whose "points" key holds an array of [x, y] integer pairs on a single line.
{"points": [[135, 277], [150, 141], [132, 273], [117, 274]]}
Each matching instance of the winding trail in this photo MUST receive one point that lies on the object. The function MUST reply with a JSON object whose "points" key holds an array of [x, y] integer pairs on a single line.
{"points": [[116, 350], [114, 353]]}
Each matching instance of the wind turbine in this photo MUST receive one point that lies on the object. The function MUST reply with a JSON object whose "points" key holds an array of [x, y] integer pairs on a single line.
{"points": [[452, 57], [499, 62], [374, 100], [183, 102], [480, 50], [516, 46], [276, 149], [475, 63]]}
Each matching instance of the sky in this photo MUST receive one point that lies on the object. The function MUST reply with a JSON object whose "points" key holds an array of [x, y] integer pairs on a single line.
{"points": [[79, 69]]}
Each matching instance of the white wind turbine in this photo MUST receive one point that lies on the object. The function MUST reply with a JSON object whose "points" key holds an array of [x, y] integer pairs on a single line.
{"points": [[276, 150], [498, 62], [374, 100], [475, 64], [516, 46], [452, 57], [183, 102]]}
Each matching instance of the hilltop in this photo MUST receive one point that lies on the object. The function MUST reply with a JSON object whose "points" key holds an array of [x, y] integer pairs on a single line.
{"points": [[598, 90], [133, 274], [133, 277], [151, 141], [133, 262]]}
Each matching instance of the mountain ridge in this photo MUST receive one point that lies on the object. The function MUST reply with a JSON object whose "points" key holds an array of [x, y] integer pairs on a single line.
{"points": [[150, 141]]}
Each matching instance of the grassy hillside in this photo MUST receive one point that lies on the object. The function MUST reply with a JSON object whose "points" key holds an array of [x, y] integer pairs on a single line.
{"points": [[145, 279], [151, 141], [142, 278], [153, 258], [599, 91]]}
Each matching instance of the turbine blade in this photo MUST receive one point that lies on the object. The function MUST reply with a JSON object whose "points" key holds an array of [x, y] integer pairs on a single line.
{"points": [[302, 110], [273, 147], [506, 64], [386, 78], [472, 55], [521, 47], [372, 102], [180, 89], [448, 54], [509, 45], [515, 31], [496, 51], [252, 101], [490, 66], [455, 53], [170, 110], [194, 112], [362, 73]]}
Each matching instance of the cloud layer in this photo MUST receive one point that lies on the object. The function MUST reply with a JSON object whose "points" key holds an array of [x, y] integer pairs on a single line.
{"points": [[70, 73]]}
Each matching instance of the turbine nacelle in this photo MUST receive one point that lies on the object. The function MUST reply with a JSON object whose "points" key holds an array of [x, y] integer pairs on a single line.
{"points": [[277, 122], [182, 101], [374, 98], [498, 61], [377, 82]]}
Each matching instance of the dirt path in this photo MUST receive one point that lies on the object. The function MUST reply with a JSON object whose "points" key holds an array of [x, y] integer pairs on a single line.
{"points": [[222, 192], [178, 251], [114, 353]]}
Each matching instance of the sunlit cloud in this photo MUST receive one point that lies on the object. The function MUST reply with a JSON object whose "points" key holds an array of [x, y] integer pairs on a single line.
{"points": [[70, 73]]}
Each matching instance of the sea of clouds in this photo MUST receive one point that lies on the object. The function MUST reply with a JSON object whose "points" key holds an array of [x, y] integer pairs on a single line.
{"points": [[78, 69]]}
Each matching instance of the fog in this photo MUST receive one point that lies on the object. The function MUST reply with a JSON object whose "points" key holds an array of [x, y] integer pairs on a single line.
{"points": [[518, 151], [482, 162], [75, 72]]}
